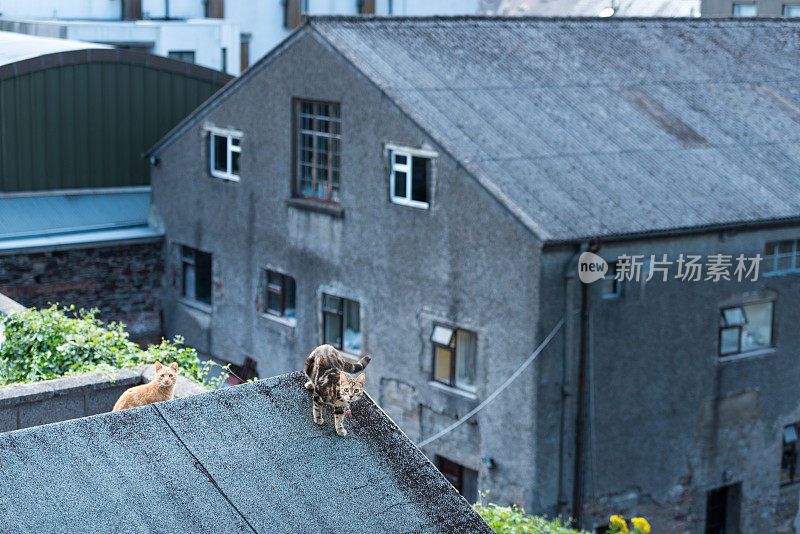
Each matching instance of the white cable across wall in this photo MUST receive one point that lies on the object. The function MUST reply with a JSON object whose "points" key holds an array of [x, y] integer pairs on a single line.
{"points": [[499, 390]]}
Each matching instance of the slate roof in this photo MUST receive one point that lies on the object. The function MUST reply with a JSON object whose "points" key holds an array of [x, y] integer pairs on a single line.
{"points": [[36, 220], [242, 459], [596, 127]]}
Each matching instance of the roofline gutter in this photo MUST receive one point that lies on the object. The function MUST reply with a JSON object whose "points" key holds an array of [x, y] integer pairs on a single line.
{"points": [[675, 232]]}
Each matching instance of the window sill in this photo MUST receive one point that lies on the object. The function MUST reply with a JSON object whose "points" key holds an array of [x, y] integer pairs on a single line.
{"points": [[410, 203], [453, 391], [317, 206], [225, 177], [746, 355], [283, 321], [197, 305]]}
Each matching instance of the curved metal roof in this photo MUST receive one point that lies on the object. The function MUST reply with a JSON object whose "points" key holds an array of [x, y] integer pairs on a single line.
{"points": [[18, 46]]}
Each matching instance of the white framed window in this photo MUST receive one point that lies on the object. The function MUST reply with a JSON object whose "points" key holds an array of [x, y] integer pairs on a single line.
{"points": [[410, 176], [224, 149], [791, 10], [454, 357]]}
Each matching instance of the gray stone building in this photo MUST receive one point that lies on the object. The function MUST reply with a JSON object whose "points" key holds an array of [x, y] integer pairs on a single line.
{"points": [[420, 189]]}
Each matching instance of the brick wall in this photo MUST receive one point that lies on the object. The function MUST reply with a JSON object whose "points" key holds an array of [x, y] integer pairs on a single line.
{"points": [[121, 281]]}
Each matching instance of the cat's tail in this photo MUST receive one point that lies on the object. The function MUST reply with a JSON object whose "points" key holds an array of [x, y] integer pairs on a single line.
{"points": [[358, 366]]}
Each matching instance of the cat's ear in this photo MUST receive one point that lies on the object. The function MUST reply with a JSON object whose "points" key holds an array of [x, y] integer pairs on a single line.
{"points": [[361, 379], [158, 366], [174, 366], [343, 378]]}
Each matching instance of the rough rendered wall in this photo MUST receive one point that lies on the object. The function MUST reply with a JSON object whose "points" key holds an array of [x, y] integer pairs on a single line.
{"points": [[465, 261], [121, 281], [668, 420]]}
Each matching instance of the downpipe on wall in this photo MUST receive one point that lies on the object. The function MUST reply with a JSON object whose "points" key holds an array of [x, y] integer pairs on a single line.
{"points": [[593, 245]]}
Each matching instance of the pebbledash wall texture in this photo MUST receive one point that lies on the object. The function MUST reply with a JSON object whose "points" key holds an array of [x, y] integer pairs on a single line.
{"points": [[122, 281], [520, 178]]}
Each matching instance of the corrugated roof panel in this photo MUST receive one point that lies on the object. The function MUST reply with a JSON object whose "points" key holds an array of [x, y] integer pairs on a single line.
{"points": [[17, 46]]}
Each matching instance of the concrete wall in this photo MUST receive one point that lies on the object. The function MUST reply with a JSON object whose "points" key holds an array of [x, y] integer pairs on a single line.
{"points": [[465, 261], [669, 420], [51, 401], [121, 281]]}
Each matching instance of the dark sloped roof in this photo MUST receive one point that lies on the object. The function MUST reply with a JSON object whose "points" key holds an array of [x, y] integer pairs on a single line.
{"points": [[616, 127], [242, 459], [593, 8], [601, 127]]}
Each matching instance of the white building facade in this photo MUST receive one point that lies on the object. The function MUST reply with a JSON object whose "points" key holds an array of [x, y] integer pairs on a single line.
{"points": [[226, 35]]}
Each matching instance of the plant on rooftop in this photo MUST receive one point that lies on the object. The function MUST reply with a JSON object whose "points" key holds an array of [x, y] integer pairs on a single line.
{"points": [[513, 520], [46, 343]]}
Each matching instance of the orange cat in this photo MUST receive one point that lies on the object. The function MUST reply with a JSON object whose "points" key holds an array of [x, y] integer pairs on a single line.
{"points": [[159, 389]]}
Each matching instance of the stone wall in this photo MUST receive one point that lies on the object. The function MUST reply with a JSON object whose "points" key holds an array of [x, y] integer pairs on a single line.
{"points": [[121, 281], [71, 397]]}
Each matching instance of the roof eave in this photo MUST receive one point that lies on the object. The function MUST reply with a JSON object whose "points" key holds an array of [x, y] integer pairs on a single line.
{"points": [[663, 233]]}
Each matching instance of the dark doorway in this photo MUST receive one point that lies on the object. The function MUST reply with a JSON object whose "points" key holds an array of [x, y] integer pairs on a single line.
{"points": [[722, 510], [462, 478]]}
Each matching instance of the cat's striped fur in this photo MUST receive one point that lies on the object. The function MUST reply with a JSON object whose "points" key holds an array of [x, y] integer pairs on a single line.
{"points": [[328, 379]]}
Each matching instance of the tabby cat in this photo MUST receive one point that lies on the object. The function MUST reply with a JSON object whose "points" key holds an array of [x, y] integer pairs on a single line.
{"points": [[159, 389], [328, 379]]}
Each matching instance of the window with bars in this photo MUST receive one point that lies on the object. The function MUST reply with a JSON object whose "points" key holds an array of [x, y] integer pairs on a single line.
{"points": [[280, 295], [196, 275], [454, 356], [319, 138], [745, 328], [782, 257], [341, 323]]}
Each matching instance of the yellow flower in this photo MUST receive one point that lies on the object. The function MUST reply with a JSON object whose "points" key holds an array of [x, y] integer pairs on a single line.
{"points": [[618, 524], [640, 524]]}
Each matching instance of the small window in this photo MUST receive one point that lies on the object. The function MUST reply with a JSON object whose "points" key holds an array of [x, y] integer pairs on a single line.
{"points": [[745, 10], [341, 323], [791, 10], [408, 182], [789, 472], [319, 139], [224, 152], [745, 328], [463, 479], [611, 287], [280, 295], [454, 357], [196, 283], [182, 55], [782, 256]]}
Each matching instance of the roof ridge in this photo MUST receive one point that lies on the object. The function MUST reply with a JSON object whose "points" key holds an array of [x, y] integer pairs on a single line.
{"points": [[541, 18]]}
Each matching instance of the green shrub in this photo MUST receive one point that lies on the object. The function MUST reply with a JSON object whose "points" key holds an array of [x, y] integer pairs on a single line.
{"points": [[46, 343], [514, 520]]}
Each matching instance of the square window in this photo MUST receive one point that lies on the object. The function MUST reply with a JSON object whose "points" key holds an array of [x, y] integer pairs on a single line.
{"points": [[319, 148], [224, 152], [408, 181], [745, 10], [280, 294], [611, 287], [745, 328], [341, 323], [196, 275], [791, 10], [454, 357]]}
